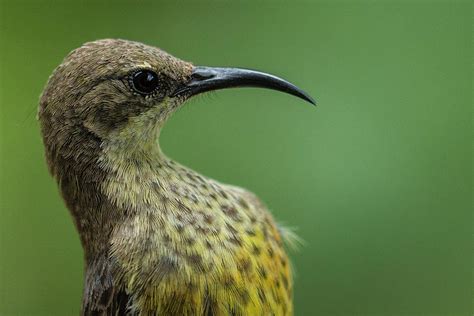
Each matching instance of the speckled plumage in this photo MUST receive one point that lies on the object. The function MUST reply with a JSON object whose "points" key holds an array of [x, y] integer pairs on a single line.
{"points": [[159, 239]]}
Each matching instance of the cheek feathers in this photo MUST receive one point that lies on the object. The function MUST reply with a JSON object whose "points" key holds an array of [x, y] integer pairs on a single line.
{"points": [[135, 130], [111, 107]]}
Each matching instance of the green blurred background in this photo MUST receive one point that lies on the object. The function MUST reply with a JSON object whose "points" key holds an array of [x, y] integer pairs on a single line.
{"points": [[377, 179]]}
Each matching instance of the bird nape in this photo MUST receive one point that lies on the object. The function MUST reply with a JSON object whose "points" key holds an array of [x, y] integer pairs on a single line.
{"points": [[158, 238]]}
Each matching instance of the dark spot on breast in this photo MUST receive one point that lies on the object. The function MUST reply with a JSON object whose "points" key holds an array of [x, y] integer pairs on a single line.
{"points": [[208, 219], [156, 186], [231, 228], [261, 295], [251, 232], [164, 200], [203, 230], [231, 211], [192, 184], [166, 238], [270, 252], [179, 228], [265, 232], [244, 296], [262, 271], [174, 188], [277, 283], [195, 261], [243, 203], [192, 197], [228, 280], [285, 281], [244, 265], [192, 220], [223, 194], [256, 250], [189, 241], [235, 239]]}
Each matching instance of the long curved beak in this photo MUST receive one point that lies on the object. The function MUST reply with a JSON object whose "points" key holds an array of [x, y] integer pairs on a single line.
{"points": [[205, 79]]}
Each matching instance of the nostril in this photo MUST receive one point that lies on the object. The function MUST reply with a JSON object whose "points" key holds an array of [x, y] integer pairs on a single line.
{"points": [[202, 73], [201, 76]]}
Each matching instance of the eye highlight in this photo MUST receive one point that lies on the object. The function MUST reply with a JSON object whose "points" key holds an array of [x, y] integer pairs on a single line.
{"points": [[144, 81]]}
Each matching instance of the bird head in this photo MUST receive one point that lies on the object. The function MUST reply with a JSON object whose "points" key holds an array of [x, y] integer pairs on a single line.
{"points": [[117, 94]]}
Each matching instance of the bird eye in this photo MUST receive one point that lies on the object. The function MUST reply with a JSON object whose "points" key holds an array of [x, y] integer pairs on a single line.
{"points": [[144, 81]]}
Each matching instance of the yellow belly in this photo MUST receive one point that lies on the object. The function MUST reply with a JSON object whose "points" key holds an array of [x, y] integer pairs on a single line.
{"points": [[247, 275]]}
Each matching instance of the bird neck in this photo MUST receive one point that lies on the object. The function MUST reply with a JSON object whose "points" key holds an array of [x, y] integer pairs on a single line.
{"points": [[109, 188]]}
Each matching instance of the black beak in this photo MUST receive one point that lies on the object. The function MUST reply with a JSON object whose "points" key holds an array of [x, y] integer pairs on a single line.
{"points": [[205, 79]]}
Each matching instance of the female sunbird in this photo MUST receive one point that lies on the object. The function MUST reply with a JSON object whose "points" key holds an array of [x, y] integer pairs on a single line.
{"points": [[158, 238]]}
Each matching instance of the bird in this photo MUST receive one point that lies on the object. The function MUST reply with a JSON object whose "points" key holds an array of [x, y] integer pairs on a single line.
{"points": [[158, 238]]}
